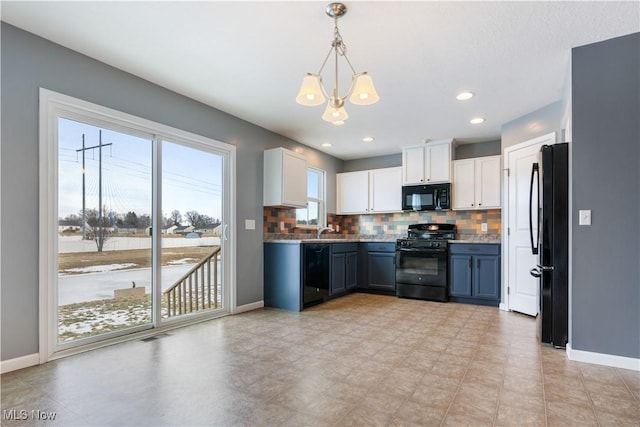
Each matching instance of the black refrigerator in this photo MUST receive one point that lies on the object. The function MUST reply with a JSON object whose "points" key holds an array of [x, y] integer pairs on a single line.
{"points": [[551, 244]]}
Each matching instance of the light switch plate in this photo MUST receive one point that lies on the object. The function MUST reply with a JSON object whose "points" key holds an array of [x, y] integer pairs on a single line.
{"points": [[584, 217], [249, 224]]}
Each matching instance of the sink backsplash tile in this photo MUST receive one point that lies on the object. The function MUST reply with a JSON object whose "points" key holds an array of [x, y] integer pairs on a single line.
{"points": [[467, 222]]}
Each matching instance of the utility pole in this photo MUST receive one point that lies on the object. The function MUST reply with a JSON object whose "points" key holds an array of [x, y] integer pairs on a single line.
{"points": [[84, 198], [100, 219]]}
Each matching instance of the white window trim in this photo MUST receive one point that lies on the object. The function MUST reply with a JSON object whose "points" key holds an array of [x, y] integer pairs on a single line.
{"points": [[322, 203], [54, 105]]}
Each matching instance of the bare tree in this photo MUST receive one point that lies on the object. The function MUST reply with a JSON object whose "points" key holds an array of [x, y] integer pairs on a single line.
{"points": [[195, 219], [175, 218], [99, 228]]}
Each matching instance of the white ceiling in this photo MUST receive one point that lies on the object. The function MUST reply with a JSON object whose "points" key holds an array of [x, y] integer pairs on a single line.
{"points": [[248, 58]]}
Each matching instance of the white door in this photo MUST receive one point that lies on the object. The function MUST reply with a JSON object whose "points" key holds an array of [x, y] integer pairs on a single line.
{"points": [[522, 288]]}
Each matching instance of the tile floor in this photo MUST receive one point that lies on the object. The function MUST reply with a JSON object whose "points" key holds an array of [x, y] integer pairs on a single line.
{"points": [[361, 360]]}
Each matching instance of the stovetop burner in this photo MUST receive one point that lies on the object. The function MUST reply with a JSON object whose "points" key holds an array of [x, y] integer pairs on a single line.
{"points": [[431, 231]]}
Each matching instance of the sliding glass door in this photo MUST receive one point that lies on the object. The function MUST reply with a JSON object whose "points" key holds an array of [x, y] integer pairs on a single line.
{"points": [[135, 220], [105, 203], [192, 183]]}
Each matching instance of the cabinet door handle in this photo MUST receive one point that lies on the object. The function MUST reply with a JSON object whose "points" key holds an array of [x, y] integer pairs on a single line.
{"points": [[478, 263], [479, 204], [470, 264]]}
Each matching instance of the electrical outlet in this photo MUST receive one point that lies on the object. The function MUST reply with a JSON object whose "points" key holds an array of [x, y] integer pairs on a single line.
{"points": [[249, 224], [281, 225], [484, 227]]}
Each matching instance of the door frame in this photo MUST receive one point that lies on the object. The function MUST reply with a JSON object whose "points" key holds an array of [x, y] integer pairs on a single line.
{"points": [[551, 139], [54, 105]]}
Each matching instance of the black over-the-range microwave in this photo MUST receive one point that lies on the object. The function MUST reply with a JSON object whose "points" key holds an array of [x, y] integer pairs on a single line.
{"points": [[426, 197]]}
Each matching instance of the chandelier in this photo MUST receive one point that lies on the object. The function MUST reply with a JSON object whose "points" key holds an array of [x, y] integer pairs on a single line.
{"points": [[361, 90]]}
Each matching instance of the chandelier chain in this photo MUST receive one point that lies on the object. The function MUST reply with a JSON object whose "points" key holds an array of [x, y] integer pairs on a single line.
{"points": [[339, 45]]}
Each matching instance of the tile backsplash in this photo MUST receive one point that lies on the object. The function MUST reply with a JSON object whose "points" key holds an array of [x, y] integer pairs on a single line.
{"points": [[467, 222]]}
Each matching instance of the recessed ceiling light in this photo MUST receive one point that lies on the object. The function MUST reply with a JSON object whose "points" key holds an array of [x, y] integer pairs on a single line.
{"points": [[476, 120], [463, 96], [326, 144], [368, 139]]}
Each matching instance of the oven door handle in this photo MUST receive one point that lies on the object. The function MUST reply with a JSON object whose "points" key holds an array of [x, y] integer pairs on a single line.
{"points": [[425, 251]]}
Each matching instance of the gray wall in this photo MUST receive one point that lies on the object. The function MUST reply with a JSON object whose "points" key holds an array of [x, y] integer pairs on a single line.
{"points": [[389, 161], [537, 123], [28, 63], [461, 151], [477, 149], [606, 179]]}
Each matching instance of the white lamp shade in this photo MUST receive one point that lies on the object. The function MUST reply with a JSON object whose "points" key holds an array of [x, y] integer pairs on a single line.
{"points": [[310, 93], [364, 93], [333, 115]]}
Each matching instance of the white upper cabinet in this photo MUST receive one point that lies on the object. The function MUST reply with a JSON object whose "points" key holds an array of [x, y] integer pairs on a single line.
{"points": [[427, 164], [464, 187], [352, 192], [385, 190], [476, 183], [285, 178], [369, 191], [413, 165]]}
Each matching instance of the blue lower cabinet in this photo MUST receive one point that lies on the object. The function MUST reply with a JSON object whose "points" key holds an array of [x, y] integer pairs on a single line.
{"points": [[378, 269], [474, 273], [351, 273], [486, 279], [460, 274], [344, 267], [338, 271], [283, 276], [331, 270]]}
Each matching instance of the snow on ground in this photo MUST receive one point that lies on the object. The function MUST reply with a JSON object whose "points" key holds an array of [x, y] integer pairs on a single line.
{"points": [[182, 261], [100, 268], [83, 322]]}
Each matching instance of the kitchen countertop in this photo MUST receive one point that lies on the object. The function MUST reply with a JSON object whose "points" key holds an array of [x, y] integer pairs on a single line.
{"points": [[358, 238], [477, 239], [329, 238]]}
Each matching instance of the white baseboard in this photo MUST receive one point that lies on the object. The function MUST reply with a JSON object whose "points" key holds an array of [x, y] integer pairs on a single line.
{"points": [[248, 307], [603, 359], [19, 363]]}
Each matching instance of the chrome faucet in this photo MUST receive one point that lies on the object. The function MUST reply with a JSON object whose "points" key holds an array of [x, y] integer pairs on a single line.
{"points": [[322, 230]]}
